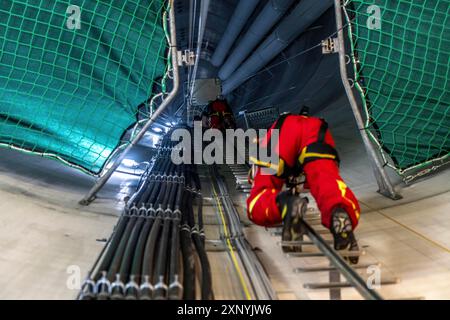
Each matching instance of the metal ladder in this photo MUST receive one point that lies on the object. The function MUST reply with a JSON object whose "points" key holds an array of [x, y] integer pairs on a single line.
{"points": [[319, 244]]}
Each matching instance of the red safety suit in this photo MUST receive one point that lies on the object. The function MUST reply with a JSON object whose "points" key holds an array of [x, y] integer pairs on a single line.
{"points": [[220, 115], [304, 143]]}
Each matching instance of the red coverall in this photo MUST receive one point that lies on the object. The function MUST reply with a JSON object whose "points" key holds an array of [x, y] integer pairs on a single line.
{"points": [[322, 175], [220, 115]]}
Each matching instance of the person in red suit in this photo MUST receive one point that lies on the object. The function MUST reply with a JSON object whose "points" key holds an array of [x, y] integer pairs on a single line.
{"points": [[220, 115], [306, 147]]}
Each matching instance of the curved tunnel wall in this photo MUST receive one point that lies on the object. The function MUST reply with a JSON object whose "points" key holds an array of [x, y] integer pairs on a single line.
{"points": [[301, 74]]}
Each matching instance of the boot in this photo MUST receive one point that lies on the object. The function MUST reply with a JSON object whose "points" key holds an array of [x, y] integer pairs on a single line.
{"points": [[342, 230]]}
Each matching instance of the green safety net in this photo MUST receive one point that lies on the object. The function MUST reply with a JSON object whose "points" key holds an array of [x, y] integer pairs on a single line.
{"points": [[75, 74], [401, 56]]}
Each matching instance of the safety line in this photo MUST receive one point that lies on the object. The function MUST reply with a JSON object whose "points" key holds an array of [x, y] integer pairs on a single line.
{"points": [[230, 247]]}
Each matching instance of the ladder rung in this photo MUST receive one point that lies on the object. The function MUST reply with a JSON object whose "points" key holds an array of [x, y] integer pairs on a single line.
{"points": [[312, 219], [343, 253], [322, 232], [297, 243], [304, 254], [325, 269], [334, 285]]}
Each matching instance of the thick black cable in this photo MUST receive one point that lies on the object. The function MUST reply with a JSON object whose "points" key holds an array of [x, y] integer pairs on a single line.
{"points": [[187, 255]]}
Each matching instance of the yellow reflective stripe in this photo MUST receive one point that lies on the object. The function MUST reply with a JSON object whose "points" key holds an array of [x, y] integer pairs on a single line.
{"points": [[305, 155], [283, 213], [343, 188], [280, 170], [253, 202]]}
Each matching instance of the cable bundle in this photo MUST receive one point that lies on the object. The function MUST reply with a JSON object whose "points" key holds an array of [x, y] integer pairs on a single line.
{"points": [[153, 250]]}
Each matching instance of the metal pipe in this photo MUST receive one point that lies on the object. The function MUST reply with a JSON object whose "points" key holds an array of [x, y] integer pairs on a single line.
{"points": [[243, 11], [201, 32], [91, 195], [269, 16], [304, 14], [385, 185], [351, 275]]}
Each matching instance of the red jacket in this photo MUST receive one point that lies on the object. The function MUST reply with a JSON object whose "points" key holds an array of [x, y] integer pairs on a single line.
{"points": [[297, 147]]}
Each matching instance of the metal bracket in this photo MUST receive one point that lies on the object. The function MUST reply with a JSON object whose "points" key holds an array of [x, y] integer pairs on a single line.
{"points": [[186, 58], [330, 45]]}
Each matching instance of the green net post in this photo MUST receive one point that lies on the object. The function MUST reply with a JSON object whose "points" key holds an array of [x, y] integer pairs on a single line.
{"points": [[90, 196], [385, 185], [400, 52]]}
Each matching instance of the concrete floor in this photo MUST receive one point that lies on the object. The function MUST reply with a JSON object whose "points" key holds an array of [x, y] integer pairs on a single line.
{"points": [[46, 238], [43, 230]]}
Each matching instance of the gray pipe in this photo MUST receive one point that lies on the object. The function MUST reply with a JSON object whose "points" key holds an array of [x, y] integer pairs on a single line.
{"points": [[240, 16], [269, 16], [287, 31], [201, 32]]}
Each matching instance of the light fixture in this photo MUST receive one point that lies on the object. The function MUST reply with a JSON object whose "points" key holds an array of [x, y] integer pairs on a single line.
{"points": [[130, 163]]}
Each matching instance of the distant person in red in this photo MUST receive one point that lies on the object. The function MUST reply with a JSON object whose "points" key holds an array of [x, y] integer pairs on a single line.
{"points": [[306, 147], [220, 115]]}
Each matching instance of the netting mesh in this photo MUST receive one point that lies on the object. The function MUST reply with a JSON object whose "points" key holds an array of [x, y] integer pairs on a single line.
{"points": [[401, 63], [71, 93]]}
